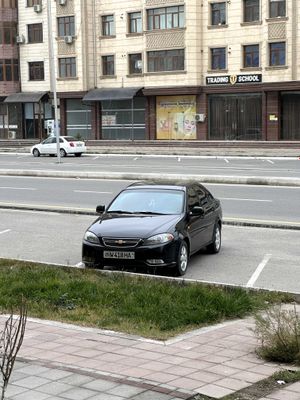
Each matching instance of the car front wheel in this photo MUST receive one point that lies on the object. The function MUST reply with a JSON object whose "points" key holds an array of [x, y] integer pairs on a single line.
{"points": [[36, 153], [215, 246], [182, 259]]}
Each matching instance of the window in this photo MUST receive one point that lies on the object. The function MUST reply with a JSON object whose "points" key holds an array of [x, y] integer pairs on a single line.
{"points": [[108, 25], [165, 18], [8, 32], [218, 13], [277, 54], [67, 67], [166, 60], [251, 56], [8, 3], [218, 58], [66, 26], [135, 63], [31, 3], [108, 65], [9, 70], [135, 22], [35, 33], [251, 10], [36, 71], [277, 8]]}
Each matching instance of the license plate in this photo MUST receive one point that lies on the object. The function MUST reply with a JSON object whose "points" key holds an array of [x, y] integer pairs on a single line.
{"points": [[79, 145], [122, 255]]}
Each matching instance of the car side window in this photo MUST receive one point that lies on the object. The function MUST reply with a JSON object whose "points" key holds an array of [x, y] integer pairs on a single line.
{"points": [[192, 198], [47, 141], [53, 140], [60, 140]]}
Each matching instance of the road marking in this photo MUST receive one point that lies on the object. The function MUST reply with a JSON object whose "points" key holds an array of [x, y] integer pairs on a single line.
{"points": [[6, 231], [225, 159], [178, 159], [233, 198], [270, 161], [91, 191], [16, 188], [258, 270]]}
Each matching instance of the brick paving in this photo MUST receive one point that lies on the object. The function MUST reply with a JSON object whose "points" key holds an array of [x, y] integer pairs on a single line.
{"points": [[61, 361]]}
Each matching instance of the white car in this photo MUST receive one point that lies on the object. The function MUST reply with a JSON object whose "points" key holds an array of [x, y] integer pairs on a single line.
{"points": [[67, 144]]}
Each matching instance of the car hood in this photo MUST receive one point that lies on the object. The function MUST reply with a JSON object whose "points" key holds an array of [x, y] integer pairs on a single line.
{"points": [[133, 226]]}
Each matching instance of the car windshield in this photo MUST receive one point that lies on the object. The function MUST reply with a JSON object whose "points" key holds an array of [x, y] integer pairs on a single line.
{"points": [[148, 201]]}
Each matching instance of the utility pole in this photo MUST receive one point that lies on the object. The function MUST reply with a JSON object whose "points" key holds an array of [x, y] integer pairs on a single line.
{"points": [[53, 77]]}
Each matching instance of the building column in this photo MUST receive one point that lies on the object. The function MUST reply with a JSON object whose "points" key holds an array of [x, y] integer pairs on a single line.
{"points": [[202, 108], [152, 118]]}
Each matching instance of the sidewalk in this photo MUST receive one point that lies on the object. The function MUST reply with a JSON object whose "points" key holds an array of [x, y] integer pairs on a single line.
{"points": [[60, 361]]}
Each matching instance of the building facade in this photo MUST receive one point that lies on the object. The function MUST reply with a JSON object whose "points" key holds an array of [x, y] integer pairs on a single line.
{"points": [[161, 69]]}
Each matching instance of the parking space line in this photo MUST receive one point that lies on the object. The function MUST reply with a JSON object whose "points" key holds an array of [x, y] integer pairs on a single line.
{"points": [[258, 270], [6, 231]]}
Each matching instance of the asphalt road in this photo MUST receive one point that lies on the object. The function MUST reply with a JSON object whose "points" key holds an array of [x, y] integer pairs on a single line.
{"points": [[251, 257], [184, 165], [240, 202]]}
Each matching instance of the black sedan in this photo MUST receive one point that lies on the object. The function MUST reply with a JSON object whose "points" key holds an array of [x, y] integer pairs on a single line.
{"points": [[154, 224]]}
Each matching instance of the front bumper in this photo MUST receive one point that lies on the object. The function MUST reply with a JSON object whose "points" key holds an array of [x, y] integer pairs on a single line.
{"points": [[92, 255]]}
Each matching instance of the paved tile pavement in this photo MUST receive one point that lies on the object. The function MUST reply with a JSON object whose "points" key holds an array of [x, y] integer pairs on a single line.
{"points": [[61, 361]]}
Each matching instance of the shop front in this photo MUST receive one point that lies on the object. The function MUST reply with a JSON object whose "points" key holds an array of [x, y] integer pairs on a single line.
{"points": [[119, 113]]}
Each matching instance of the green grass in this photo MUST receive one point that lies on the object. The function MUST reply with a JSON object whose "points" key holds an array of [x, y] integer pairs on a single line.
{"points": [[151, 308]]}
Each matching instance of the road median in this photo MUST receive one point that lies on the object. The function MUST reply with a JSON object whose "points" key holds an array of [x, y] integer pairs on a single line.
{"points": [[224, 179]]}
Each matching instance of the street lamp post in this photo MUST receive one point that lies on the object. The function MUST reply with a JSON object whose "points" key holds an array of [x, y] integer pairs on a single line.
{"points": [[53, 77]]}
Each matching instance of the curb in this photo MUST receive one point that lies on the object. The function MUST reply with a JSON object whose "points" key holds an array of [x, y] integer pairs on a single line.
{"points": [[226, 221], [241, 180]]}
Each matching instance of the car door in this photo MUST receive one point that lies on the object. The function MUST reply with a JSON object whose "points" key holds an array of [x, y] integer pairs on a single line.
{"points": [[200, 226], [45, 147]]}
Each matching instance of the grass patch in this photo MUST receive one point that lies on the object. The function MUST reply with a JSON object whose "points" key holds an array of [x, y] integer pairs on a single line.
{"points": [[152, 308]]}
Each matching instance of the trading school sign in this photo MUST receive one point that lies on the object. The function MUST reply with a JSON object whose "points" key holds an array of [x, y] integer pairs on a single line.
{"points": [[233, 79]]}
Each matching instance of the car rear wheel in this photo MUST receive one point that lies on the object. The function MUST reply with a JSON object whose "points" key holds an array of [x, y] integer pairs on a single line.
{"points": [[62, 153], [182, 259], [36, 153], [78, 154], [215, 246]]}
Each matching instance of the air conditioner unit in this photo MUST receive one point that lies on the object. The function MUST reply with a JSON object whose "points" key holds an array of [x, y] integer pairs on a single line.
{"points": [[138, 64], [37, 8], [68, 39], [11, 135], [62, 2], [200, 117], [20, 39]]}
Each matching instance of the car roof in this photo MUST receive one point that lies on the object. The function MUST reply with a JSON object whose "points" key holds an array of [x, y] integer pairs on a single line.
{"points": [[162, 184]]}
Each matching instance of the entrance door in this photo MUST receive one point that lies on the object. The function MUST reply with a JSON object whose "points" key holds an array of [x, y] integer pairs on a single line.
{"points": [[235, 117], [290, 116]]}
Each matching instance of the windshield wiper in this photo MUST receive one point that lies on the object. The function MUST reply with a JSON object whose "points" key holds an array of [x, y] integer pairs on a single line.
{"points": [[119, 212], [148, 213]]}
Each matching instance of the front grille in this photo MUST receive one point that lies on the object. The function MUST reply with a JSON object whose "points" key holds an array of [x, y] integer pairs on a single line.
{"points": [[120, 242]]}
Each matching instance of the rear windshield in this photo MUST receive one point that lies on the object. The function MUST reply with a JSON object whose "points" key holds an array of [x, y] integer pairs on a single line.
{"points": [[71, 139]]}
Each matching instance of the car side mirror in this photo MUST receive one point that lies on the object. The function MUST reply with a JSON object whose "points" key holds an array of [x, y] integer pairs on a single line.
{"points": [[197, 211], [100, 209]]}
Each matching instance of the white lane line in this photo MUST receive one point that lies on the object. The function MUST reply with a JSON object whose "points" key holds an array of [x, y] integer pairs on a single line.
{"points": [[91, 191], [238, 199], [271, 162], [6, 231], [178, 159], [16, 188], [225, 159], [258, 270]]}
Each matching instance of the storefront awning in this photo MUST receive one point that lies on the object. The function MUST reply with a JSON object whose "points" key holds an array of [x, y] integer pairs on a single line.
{"points": [[25, 97], [111, 94]]}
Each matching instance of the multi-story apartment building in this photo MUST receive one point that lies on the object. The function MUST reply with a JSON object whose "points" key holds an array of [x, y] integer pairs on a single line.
{"points": [[9, 70], [162, 69]]}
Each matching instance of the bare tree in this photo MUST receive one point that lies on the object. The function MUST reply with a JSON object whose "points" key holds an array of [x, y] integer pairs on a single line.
{"points": [[10, 342]]}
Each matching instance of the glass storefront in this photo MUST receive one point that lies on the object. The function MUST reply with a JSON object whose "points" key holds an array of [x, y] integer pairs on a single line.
{"points": [[10, 121], [78, 119], [290, 121], [175, 117], [235, 117], [123, 119]]}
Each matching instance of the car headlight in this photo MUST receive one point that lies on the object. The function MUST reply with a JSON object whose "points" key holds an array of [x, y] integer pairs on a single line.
{"points": [[91, 237], [159, 239]]}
